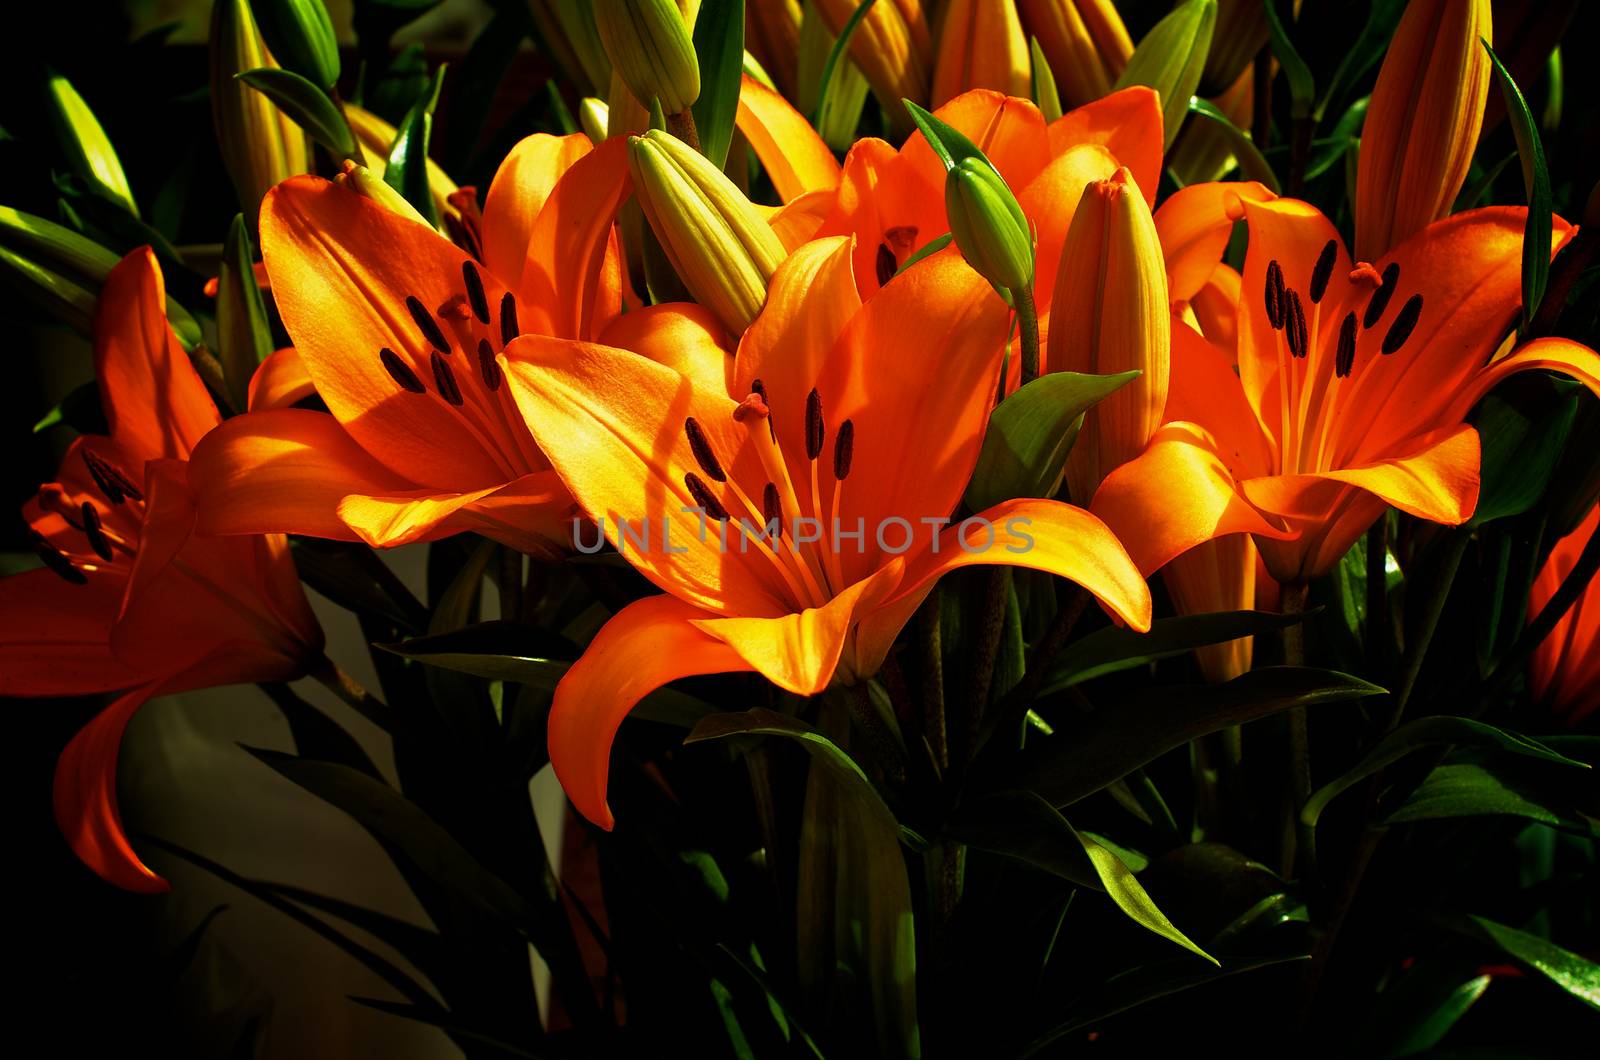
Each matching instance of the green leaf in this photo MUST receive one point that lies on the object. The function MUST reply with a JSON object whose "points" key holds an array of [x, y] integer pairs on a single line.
{"points": [[948, 142], [1536, 179], [300, 36], [60, 297], [1302, 89], [1045, 93], [1131, 898], [835, 57], [1171, 58], [1572, 973], [429, 1013], [1469, 789], [244, 336], [80, 410], [1421, 733], [719, 47], [1117, 648], [1030, 434], [1251, 162], [306, 105], [1523, 429], [1084, 757], [88, 149], [407, 171], [933, 246]]}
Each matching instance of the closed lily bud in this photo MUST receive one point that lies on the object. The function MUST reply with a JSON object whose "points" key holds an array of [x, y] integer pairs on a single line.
{"points": [[772, 35], [1423, 123], [1170, 58], [981, 45], [1109, 314], [893, 47], [1241, 33], [840, 111], [567, 29], [593, 117], [1084, 41], [366, 183], [259, 146], [988, 224], [651, 49], [300, 33], [718, 243]]}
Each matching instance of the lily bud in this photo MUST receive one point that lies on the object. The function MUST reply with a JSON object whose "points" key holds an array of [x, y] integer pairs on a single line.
{"points": [[650, 48], [1170, 57], [624, 114], [988, 224], [1217, 575], [1084, 41], [718, 243], [892, 46], [567, 29], [593, 117], [840, 112], [301, 34], [981, 45], [1109, 314], [772, 35], [377, 137], [260, 146], [370, 185], [1423, 123], [1241, 33]]}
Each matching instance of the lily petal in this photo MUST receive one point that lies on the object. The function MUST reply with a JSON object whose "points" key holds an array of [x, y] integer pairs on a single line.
{"points": [[644, 646], [790, 150], [684, 336], [280, 381], [1556, 355], [1125, 123], [1195, 225], [520, 188], [1008, 129], [55, 637], [891, 207]]}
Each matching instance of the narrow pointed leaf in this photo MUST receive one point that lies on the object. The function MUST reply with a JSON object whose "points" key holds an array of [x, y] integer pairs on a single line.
{"points": [[1117, 648], [1536, 181], [1251, 162], [407, 171], [306, 105], [719, 46], [1574, 974], [244, 336], [88, 149]]}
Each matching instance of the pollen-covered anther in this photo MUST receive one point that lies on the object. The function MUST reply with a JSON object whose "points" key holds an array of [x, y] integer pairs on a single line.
{"points": [[772, 509], [488, 366], [1323, 271], [1274, 294], [508, 319], [449, 389], [1404, 322], [1294, 324], [401, 372], [816, 430], [109, 480], [704, 455], [425, 322], [844, 449], [704, 498], [57, 561], [95, 532], [759, 389], [1345, 358], [1380, 298], [475, 294]]}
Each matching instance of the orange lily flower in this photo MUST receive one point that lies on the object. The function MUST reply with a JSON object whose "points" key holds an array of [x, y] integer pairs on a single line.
{"points": [[1565, 668], [814, 423], [1085, 43], [1423, 123], [398, 329], [147, 607], [893, 201], [981, 45], [1354, 381]]}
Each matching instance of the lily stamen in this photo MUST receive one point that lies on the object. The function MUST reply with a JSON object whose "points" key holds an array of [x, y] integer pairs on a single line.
{"points": [[475, 294], [1404, 321], [401, 372], [446, 381], [1380, 298], [508, 319], [426, 324]]}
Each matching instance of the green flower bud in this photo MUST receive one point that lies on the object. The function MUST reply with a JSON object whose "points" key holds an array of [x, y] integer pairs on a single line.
{"points": [[650, 48], [720, 246], [988, 224], [300, 34]]}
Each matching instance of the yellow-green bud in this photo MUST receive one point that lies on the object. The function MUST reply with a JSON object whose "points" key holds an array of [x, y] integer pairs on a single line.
{"points": [[594, 118], [650, 47], [718, 243], [1171, 58], [369, 185], [988, 224], [300, 34], [260, 146]]}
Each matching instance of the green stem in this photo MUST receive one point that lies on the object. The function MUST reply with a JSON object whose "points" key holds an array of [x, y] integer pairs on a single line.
{"points": [[1417, 649], [327, 673], [1028, 322], [1378, 648], [682, 126], [1299, 786], [991, 627], [931, 651]]}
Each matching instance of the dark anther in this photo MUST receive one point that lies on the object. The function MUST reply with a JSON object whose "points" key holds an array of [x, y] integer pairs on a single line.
{"points": [[772, 509], [758, 387], [446, 379], [703, 497], [57, 561], [1294, 323], [1380, 298], [1404, 322], [886, 264], [112, 491], [1323, 270], [425, 321], [815, 431], [1275, 294], [844, 448], [400, 371], [508, 319], [475, 295], [700, 446], [1345, 359], [93, 531], [488, 366]]}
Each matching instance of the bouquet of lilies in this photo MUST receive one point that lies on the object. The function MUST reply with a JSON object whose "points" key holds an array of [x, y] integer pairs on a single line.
{"points": [[1015, 524]]}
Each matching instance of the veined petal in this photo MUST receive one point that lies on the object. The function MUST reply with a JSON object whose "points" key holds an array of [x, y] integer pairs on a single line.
{"points": [[520, 188], [614, 427], [891, 207], [154, 400], [55, 636], [1051, 201], [1195, 225], [532, 514], [981, 45], [1125, 123], [86, 797], [1556, 355], [1204, 389], [285, 470], [644, 646], [1175, 495], [798, 221], [1009, 130], [280, 381], [1216, 309], [790, 150], [684, 336]]}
